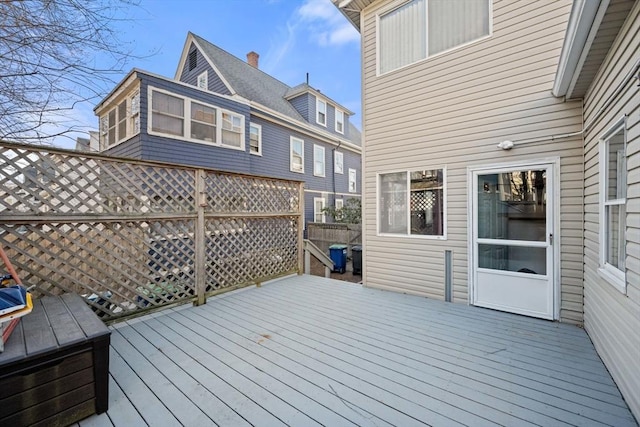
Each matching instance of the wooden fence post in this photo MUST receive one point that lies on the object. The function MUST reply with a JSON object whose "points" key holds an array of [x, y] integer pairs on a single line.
{"points": [[200, 234], [301, 228]]}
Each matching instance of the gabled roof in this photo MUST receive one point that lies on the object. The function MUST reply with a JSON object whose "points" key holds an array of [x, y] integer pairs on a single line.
{"points": [[303, 88], [248, 82]]}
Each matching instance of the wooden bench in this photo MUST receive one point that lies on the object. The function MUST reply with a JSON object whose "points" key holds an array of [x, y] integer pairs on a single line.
{"points": [[55, 366]]}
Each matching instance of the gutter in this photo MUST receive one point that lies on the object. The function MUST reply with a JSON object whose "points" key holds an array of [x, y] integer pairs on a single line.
{"points": [[584, 21]]}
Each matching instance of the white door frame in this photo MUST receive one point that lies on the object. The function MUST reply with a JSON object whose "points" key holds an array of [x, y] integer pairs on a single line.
{"points": [[554, 192]]}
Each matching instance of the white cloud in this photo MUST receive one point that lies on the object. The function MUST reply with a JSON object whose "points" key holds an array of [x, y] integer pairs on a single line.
{"points": [[325, 23], [321, 21]]}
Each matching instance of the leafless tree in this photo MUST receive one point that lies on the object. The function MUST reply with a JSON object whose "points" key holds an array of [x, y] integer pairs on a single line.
{"points": [[55, 54]]}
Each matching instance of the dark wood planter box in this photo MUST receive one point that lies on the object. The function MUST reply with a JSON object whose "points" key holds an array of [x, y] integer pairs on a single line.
{"points": [[54, 370]]}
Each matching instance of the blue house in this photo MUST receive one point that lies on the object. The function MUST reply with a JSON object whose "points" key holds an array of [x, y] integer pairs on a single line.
{"points": [[224, 113]]}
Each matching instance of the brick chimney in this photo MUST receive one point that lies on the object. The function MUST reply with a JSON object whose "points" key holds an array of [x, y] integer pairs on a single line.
{"points": [[252, 59]]}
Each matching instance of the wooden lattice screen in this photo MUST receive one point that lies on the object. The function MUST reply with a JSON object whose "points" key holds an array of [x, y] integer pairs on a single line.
{"points": [[131, 235]]}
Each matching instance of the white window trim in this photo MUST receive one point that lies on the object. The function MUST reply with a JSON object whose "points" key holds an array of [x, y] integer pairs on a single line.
{"points": [[338, 154], [614, 276], [259, 127], [291, 141], [409, 235], [428, 57], [355, 175], [131, 116], [315, 212], [187, 121], [318, 102], [336, 123], [205, 75], [315, 160], [339, 204]]}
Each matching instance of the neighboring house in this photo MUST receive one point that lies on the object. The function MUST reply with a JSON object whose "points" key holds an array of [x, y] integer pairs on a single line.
{"points": [[223, 113], [503, 160], [91, 144]]}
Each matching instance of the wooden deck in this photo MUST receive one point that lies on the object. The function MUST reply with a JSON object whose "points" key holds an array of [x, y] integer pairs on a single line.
{"points": [[307, 351]]}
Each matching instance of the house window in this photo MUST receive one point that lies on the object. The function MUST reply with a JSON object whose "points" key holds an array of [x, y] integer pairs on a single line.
{"points": [[122, 120], [318, 160], [231, 130], [338, 162], [193, 59], [203, 122], [167, 114], [255, 139], [135, 113], [203, 81], [423, 28], [110, 128], [318, 206], [352, 181], [613, 194], [412, 203], [321, 112], [297, 155], [339, 207], [184, 118], [339, 121]]}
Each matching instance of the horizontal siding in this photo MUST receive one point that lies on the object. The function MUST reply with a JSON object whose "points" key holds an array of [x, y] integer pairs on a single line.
{"points": [[302, 105], [611, 318], [451, 111], [274, 160], [131, 148], [191, 77]]}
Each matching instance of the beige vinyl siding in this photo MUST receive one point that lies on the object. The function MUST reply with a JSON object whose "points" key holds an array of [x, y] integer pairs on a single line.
{"points": [[451, 111], [611, 318]]}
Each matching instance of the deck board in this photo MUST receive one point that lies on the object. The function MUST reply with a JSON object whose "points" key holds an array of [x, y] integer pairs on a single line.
{"points": [[306, 351]]}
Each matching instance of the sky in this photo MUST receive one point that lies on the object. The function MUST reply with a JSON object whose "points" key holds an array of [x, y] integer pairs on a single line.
{"points": [[292, 37]]}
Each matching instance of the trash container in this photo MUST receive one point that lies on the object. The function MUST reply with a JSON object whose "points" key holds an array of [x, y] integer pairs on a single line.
{"points": [[338, 254], [356, 259]]}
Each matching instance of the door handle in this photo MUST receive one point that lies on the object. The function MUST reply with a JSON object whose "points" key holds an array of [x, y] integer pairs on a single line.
{"points": [[551, 239]]}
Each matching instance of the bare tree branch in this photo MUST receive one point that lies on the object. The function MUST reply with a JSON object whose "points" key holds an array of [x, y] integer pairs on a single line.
{"points": [[55, 54]]}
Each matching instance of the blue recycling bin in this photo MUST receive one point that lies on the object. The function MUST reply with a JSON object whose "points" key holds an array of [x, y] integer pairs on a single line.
{"points": [[338, 254]]}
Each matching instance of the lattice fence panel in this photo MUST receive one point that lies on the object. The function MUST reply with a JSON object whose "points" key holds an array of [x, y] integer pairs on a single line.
{"points": [[122, 233], [37, 181], [243, 194], [241, 251], [119, 267]]}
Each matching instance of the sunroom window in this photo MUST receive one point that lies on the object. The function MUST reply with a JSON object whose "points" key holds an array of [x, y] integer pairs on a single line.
{"points": [[167, 114], [422, 28], [203, 122], [231, 130]]}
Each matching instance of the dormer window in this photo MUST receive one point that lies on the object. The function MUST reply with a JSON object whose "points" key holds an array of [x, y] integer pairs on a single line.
{"points": [[339, 121], [321, 112], [423, 28]]}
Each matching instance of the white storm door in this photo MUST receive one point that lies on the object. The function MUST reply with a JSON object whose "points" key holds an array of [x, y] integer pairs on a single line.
{"points": [[513, 261]]}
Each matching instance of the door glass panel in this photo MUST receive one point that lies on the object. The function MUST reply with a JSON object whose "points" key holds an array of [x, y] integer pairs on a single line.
{"points": [[513, 258], [513, 206]]}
